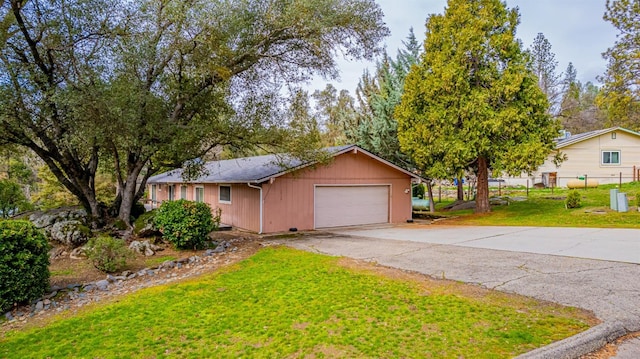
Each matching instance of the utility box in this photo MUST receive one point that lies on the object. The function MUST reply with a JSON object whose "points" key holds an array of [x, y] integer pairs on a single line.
{"points": [[623, 205], [613, 200]]}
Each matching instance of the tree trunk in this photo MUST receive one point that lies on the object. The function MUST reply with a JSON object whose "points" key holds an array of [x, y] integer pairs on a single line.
{"points": [[127, 192], [432, 205], [482, 195], [460, 189]]}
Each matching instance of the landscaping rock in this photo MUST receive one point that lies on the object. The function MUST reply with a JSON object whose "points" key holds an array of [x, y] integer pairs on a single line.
{"points": [[144, 226], [144, 247], [78, 253], [67, 226], [102, 284]]}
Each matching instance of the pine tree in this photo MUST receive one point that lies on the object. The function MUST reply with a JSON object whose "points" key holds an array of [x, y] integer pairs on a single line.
{"points": [[544, 67], [620, 95]]}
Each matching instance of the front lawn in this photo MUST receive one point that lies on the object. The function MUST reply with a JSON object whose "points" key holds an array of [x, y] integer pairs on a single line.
{"points": [[544, 208], [287, 303]]}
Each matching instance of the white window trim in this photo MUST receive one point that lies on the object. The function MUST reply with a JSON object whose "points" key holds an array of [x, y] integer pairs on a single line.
{"points": [[611, 164], [185, 192], [230, 195], [195, 193]]}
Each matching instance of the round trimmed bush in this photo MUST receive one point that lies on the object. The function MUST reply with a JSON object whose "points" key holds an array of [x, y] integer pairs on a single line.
{"points": [[24, 263], [185, 224]]}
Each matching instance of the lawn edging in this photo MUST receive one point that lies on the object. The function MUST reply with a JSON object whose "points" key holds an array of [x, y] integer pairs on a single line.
{"points": [[580, 344]]}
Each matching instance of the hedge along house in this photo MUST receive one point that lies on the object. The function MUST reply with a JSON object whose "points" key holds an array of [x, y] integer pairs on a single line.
{"points": [[260, 195]]}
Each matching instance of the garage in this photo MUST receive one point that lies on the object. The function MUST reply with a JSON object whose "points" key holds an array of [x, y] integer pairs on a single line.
{"points": [[337, 206]]}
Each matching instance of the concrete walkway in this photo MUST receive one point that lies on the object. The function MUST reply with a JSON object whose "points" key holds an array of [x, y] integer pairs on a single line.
{"points": [[595, 269]]}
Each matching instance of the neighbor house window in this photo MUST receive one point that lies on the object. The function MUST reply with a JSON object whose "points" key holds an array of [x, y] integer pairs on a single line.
{"points": [[183, 192], [610, 157], [199, 194], [225, 194], [172, 192], [613, 135]]}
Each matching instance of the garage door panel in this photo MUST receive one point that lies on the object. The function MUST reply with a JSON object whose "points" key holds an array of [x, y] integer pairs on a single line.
{"points": [[337, 206]]}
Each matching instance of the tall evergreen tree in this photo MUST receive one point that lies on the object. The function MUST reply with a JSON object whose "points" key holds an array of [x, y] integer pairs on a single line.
{"points": [[378, 97], [620, 95], [544, 66], [579, 111], [473, 101]]}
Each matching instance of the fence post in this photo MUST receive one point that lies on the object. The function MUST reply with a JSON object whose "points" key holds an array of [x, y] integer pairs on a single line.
{"points": [[527, 187], [499, 189], [440, 193], [585, 182], [620, 180]]}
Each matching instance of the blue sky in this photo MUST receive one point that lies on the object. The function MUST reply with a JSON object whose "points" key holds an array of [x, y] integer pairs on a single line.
{"points": [[574, 28]]}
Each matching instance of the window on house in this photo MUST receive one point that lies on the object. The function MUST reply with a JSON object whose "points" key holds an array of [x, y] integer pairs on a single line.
{"points": [[225, 194], [199, 194], [153, 193], [613, 135], [610, 157], [183, 192], [172, 192]]}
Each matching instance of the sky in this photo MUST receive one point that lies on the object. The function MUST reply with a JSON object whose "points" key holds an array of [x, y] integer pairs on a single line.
{"points": [[575, 29]]}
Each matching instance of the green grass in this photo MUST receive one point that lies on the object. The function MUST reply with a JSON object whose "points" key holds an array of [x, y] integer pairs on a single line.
{"points": [[287, 303], [62, 272], [545, 208], [152, 262]]}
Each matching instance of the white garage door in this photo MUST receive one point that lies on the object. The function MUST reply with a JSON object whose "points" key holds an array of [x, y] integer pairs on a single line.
{"points": [[337, 206]]}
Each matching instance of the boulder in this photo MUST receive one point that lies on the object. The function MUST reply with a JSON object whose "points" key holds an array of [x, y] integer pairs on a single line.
{"points": [[72, 233], [67, 226], [144, 247], [144, 225]]}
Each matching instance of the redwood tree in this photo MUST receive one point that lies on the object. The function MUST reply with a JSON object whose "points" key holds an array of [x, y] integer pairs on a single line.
{"points": [[472, 102]]}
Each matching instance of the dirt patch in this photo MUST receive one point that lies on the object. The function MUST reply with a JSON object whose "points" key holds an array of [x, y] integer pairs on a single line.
{"points": [[610, 349]]}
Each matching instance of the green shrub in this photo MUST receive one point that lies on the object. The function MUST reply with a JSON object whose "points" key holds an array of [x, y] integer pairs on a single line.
{"points": [[184, 223], [108, 254], [573, 200], [24, 263]]}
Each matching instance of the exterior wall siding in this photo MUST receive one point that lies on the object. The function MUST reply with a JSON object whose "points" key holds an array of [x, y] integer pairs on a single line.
{"points": [[243, 212], [289, 199], [585, 157]]}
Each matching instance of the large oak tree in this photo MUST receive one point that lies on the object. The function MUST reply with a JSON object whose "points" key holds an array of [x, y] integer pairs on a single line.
{"points": [[472, 102], [136, 87]]}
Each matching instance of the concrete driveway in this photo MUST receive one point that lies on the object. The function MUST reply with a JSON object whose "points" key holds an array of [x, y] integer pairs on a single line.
{"points": [[595, 269], [619, 245]]}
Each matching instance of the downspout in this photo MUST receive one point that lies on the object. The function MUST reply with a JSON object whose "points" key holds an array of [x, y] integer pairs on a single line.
{"points": [[258, 188]]}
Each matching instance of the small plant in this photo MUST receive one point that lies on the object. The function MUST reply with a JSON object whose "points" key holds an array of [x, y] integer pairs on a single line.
{"points": [[186, 224], [24, 263], [108, 254], [573, 200]]}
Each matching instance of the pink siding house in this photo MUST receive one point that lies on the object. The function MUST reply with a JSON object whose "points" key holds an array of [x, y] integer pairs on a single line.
{"points": [[260, 195]]}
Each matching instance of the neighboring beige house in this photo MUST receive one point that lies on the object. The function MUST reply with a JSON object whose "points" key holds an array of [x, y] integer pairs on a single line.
{"points": [[607, 155]]}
